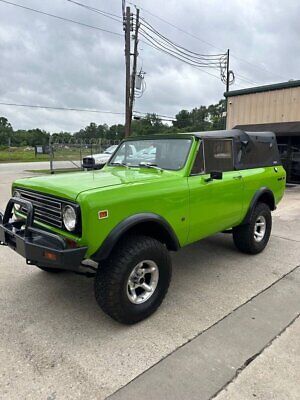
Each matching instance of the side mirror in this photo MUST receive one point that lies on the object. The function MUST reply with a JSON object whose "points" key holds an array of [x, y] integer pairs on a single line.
{"points": [[214, 175]]}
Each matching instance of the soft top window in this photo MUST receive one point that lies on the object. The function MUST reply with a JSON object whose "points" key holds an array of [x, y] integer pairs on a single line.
{"points": [[258, 152], [218, 155]]}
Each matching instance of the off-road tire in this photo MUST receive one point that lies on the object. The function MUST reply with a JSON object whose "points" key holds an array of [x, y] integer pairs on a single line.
{"points": [[112, 278], [51, 270], [243, 235]]}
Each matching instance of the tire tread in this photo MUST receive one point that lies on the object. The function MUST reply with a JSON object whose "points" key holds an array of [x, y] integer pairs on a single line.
{"points": [[109, 275]]}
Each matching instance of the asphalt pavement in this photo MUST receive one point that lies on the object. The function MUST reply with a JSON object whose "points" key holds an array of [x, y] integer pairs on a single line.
{"points": [[56, 343]]}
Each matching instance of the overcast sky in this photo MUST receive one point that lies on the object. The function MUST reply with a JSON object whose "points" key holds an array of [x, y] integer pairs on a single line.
{"points": [[46, 61]]}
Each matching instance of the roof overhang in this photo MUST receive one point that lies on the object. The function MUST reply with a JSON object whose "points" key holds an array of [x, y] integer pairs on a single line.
{"points": [[279, 128], [265, 88]]}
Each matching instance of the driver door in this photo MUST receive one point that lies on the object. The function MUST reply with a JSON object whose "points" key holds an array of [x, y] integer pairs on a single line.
{"points": [[215, 205]]}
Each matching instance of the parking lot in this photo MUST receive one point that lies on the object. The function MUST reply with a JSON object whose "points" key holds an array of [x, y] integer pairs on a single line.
{"points": [[56, 343]]}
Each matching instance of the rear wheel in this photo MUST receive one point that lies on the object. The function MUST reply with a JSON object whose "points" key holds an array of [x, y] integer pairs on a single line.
{"points": [[253, 237], [132, 283]]}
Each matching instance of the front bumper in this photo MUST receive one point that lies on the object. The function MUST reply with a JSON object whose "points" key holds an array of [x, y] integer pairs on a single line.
{"points": [[39, 247]]}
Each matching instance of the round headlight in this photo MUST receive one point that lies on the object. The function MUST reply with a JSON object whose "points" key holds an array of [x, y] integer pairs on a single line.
{"points": [[69, 218], [18, 196]]}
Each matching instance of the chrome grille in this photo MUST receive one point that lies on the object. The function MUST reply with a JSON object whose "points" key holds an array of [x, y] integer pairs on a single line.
{"points": [[46, 209]]}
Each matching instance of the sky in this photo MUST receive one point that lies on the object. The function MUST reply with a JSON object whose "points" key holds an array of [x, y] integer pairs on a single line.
{"points": [[49, 62]]}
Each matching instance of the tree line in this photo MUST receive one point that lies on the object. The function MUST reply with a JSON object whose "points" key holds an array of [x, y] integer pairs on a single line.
{"points": [[198, 119]]}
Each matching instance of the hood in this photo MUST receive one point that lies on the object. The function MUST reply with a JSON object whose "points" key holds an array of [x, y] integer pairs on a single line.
{"points": [[70, 185], [100, 155]]}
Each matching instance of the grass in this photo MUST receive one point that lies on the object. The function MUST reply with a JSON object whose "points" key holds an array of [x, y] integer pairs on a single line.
{"points": [[23, 154]]}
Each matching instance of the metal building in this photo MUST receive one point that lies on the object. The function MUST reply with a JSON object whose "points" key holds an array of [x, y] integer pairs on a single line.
{"points": [[273, 108]]}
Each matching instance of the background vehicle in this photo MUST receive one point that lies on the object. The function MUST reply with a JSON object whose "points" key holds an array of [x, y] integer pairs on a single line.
{"points": [[97, 161], [128, 216]]}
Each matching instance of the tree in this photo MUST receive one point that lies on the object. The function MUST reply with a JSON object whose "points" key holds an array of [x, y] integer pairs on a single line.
{"points": [[63, 137], [183, 119], [148, 125], [216, 112], [116, 132], [6, 131], [198, 119]]}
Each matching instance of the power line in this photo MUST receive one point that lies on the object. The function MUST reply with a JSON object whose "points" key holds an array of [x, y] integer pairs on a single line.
{"points": [[189, 59], [159, 42], [150, 27], [192, 58], [172, 55], [207, 57], [61, 108], [79, 109], [245, 79], [204, 41], [176, 27], [114, 17], [61, 18]]}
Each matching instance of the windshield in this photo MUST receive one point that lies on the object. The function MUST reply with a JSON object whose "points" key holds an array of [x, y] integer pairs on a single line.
{"points": [[163, 153]]}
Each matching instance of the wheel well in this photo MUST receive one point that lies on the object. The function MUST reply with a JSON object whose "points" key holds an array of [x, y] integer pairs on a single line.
{"points": [[267, 198], [145, 224], [154, 230], [264, 195]]}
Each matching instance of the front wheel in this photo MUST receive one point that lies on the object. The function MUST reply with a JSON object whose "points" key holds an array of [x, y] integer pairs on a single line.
{"points": [[253, 237], [132, 283]]}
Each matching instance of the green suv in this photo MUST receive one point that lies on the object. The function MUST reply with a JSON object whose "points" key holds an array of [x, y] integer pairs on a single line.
{"points": [[155, 194]]}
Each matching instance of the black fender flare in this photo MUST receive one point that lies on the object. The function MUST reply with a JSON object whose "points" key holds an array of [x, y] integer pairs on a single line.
{"points": [[262, 193], [119, 230]]}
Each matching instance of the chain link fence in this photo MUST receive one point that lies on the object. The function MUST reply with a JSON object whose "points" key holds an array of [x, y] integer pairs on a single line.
{"points": [[69, 154], [57, 155]]}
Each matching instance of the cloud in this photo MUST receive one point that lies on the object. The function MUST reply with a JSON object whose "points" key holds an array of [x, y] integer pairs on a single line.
{"points": [[50, 62]]}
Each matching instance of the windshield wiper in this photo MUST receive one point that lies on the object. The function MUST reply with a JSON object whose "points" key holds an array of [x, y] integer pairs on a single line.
{"points": [[150, 165]]}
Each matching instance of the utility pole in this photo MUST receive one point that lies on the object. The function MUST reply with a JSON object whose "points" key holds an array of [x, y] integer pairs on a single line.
{"points": [[227, 87], [130, 78], [127, 29], [227, 72], [135, 55]]}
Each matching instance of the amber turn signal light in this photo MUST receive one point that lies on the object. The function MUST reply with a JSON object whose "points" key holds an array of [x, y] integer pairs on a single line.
{"points": [[50, 256]]}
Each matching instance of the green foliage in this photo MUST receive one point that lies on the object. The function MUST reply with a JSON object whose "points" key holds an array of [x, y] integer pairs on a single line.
{"points": [[6, 131], [199, 119], [202, 118], [116, 132], [148, 125]]}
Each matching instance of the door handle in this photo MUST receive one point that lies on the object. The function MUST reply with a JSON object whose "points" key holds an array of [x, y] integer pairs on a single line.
{"points": [[237, 177]]}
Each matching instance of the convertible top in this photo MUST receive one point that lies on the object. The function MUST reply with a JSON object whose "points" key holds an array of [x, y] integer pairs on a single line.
{"points": [[250, 149], [236, 134]]}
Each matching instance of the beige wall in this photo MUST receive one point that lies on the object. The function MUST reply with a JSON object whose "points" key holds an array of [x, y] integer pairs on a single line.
{"points": [[281, 105]]}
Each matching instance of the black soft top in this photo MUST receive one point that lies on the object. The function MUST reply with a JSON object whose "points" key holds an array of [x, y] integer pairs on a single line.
{"points": [[251, 149], [237, 134]]}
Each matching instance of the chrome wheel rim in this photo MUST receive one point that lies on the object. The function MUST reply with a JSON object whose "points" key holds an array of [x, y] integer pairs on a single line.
{"points": [[142, 281], [260, 228]]}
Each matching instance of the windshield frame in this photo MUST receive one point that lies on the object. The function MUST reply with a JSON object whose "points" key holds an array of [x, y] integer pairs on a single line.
{"points": [[139, 139]]}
